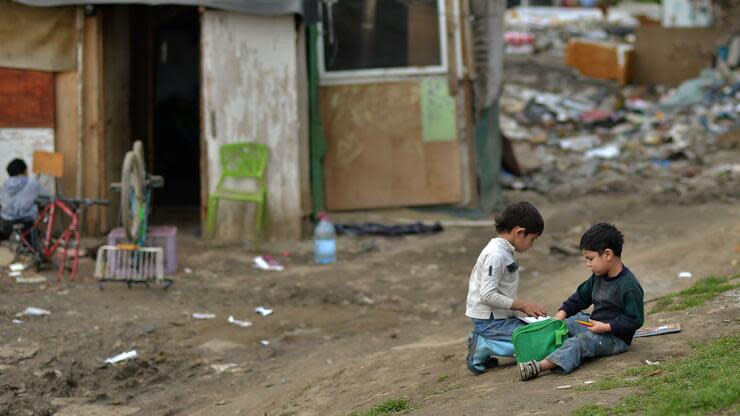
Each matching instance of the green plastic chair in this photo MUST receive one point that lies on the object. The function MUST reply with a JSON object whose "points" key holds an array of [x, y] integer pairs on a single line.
{"points": [[241, 161]]}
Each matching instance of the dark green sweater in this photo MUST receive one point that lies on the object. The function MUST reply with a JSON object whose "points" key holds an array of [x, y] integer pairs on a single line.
{"points": [[617, 301]]}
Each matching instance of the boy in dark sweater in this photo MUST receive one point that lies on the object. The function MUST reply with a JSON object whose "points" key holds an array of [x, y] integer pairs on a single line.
{"points": [[618, 307]]}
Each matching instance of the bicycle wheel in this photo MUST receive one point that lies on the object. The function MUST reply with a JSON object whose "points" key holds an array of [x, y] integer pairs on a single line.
{"points": [[133, 200]]}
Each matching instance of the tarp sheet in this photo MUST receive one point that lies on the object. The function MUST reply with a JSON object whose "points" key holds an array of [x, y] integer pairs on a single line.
{"points": [[36, 38], [259, 7]]}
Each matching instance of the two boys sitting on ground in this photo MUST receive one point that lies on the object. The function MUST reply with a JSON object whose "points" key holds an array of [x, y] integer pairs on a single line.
{"points": [[612, 289]]}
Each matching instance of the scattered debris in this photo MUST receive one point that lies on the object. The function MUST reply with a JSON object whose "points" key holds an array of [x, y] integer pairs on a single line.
{"points": [[17, 267], [588, 382], [128, 355], [267, 263], [648, 362], [685, 275], [372, 228], [30, 279], [220, 368], [188, 270], [265, 342], [263, 311], [243, 324], [658, 330], [198, 315], [17, 321], [564, 387], [33, 311]]}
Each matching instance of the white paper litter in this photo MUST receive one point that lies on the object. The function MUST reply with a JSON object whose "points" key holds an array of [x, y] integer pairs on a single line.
{"points": [[17, 321], [648, 362], [588, 382], [262, 263], [263, 311], [128, 355], [188, 270], [265, 342], [17, 267], [685, 275], [15, 274], [197, 315], [565, 386], [30, 279], [243, 324], [33, 311], [609, 151]]}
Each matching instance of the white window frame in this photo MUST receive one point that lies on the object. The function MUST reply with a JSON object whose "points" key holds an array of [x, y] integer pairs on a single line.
{"points": [[384, 74]]}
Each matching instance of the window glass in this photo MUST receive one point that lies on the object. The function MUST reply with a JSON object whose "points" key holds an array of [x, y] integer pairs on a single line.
{"points": [[371, 34]]}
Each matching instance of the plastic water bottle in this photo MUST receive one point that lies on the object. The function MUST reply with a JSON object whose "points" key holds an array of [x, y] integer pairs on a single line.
{"points": [[325, 241]]}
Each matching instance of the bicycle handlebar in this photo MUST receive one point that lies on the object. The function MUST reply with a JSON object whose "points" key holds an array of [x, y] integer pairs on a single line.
{"points": [[74, 201]]}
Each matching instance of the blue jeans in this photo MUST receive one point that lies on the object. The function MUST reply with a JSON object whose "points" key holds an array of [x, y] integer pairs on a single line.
{"points": [[583, 343], [497, 329]]}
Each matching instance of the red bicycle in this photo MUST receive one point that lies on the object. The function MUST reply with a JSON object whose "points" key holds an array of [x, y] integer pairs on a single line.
{"points": [[38, 244]]}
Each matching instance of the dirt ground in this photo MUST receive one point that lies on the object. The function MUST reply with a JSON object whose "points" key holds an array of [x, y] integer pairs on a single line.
{"points": [[387, 321]]}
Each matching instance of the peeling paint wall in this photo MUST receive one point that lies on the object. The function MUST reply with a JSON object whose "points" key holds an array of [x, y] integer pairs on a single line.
{"points": [[249, 93], [21, 143]]}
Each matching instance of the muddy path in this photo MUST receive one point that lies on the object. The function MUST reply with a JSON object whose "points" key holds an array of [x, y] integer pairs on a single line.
{"points": [[386, 321]]}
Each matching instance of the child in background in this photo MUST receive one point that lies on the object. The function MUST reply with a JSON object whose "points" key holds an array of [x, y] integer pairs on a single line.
{"points": [[18, 198]]}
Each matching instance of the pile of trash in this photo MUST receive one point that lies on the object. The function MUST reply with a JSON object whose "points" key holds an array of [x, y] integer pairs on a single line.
{"points": [[574, 136], [536, 30]]}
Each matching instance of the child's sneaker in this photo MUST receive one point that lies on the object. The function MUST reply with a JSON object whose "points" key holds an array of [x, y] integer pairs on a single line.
{"points": [[529, 370]]}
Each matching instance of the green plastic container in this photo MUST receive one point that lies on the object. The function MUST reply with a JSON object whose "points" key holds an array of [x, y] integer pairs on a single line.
{"points": [[536, 341]]}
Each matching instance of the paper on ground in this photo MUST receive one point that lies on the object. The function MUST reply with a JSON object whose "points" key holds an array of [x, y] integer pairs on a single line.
{"points": [[243, 324], [128, 355], [263, 263], [263, 311], [33, 311], [17, 267], [198, 315]]}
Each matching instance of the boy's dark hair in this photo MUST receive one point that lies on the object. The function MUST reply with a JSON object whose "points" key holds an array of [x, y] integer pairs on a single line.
{"points": [[521, 214], [16, 167], [603, 236]]}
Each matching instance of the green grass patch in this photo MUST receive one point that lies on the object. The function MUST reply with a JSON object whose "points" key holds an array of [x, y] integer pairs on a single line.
{"points": [[385, 408], [697, 294], [442, 378], [704, 382]]}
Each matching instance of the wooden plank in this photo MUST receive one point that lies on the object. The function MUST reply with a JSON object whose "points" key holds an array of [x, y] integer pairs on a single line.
{"points": [[599, 59], [669, 56], [26, 98], [66, 133], [92, 118], [116, 106], [376, 156], [251, 96]]}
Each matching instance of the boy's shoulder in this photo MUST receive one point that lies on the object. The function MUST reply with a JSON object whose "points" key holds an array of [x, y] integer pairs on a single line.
{"points": [[630, 279]]}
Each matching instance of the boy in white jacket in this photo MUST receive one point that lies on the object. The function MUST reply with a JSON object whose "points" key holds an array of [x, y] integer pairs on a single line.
{"points": [[492, 291]]}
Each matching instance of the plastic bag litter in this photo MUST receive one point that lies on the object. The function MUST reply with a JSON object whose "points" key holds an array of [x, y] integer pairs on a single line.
{"points": [[263, 311], [243, 324], [128, 355], [33, 311]]}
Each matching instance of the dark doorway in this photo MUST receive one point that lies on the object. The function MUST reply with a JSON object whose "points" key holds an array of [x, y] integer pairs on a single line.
{"points": [[165, 104]]}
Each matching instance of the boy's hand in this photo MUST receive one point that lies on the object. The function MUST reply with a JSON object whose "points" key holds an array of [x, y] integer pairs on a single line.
{"points": [[534, 309], [599, 327], [560, 315]]}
